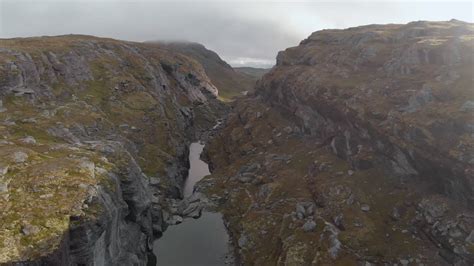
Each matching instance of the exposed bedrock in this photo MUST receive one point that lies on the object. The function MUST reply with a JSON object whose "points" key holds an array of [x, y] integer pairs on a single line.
{"points": [[370, 126], [394, 91], [95, 136]]}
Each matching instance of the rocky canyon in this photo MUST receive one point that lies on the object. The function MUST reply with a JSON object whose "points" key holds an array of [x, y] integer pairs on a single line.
{"points": [[356, 148]]}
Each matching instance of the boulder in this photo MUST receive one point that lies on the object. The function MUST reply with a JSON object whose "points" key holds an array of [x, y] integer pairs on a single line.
{"points": [[309, 226], [175, 219], [28, 140], [3, 170], [3, 186], [304, 209], [154, 181], [288, 130], [250, 168], [339, 221], [331, 233], [395, 215], [193, 210], [29, 229], [470, 238], [421, 98], [246, 177], [365, 207], [19, 157], [467, 106], [243, 241], [20, 91], [2, 108], [404, 262]]}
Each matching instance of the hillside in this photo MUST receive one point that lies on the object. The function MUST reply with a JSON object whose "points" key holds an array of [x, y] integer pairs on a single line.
{"points": [[229, 82], [356, 149], [252, 71], [95, 135]]}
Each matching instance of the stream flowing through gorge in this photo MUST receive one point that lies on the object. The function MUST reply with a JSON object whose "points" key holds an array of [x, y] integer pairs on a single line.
{"points": [[203, 241]]}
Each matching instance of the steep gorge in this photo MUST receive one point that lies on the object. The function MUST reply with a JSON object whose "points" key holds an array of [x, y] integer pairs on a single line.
{"points": [[95, 136], [355, 149], [229, 81]]}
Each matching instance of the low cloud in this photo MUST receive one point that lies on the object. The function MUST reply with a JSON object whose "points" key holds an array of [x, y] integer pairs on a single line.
{"points": [[241, 32]]}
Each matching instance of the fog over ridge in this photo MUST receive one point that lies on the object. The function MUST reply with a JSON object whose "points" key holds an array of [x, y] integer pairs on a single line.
{"points": [[244, 33]]}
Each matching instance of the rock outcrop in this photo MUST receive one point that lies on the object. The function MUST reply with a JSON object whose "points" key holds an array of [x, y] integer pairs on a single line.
{"points": [[229, 81], [397, 91], [94, 138], [368, 132]]}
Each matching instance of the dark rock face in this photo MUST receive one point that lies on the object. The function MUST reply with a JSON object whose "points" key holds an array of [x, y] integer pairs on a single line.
{"points": [[111, 121], [230, 82], [385, 90], [382, 113]]}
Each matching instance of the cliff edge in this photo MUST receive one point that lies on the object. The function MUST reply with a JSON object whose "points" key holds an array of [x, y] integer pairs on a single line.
{"points": [[356, 148]]}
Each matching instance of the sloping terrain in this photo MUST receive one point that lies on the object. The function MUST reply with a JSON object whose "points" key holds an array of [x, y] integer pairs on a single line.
{"points": [[94, 136], [257, 73], [357, 148], [229, 82]]}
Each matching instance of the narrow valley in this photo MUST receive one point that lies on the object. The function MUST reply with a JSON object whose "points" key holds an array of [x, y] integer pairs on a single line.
{"points": [[198, 240], [356, 148]]}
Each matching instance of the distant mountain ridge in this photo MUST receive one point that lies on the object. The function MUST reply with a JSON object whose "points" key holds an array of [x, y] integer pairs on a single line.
{"points": [[253, 71]]}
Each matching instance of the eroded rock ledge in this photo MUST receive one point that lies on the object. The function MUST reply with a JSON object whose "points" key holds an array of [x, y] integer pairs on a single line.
{"points": [[94, 137]]}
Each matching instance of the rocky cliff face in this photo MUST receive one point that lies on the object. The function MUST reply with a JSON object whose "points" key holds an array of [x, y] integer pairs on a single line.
{"points": [[412, 83], [356, 148], [94, 137], [230, 82]]}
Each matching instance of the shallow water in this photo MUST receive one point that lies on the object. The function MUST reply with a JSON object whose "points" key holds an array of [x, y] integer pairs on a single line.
{"points": [[195, 242]]}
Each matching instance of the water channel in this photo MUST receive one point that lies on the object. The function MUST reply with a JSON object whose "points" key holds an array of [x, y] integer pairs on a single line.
{"points": [[194, 242]]}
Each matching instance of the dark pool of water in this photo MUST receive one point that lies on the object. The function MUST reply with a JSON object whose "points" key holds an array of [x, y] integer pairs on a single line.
{"points": [[195, 242], [202, 241]]}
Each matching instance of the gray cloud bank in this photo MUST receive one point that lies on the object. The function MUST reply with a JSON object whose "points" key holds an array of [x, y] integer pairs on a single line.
{"points": [[246, 33]]}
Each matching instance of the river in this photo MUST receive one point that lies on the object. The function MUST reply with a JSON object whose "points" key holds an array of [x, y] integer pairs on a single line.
{"points": [[194, 242]]}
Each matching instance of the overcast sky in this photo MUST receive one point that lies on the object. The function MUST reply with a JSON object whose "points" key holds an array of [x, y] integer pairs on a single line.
{"points": [[241, 32]]}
